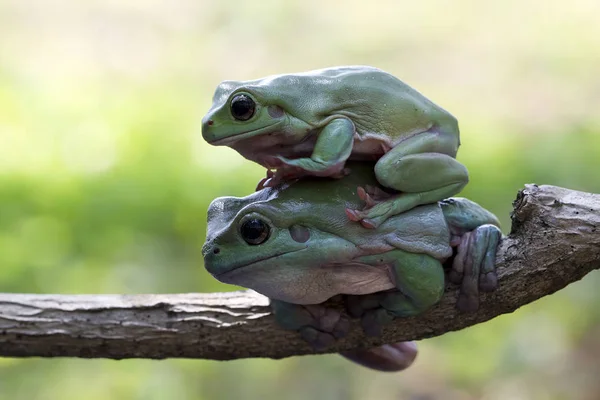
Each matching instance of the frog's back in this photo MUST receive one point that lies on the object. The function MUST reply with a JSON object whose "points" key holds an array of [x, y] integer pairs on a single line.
{"points": [[376, 101]]}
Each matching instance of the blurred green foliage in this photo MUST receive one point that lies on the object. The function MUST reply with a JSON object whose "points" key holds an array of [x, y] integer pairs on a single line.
{"points": [[105, 179]]}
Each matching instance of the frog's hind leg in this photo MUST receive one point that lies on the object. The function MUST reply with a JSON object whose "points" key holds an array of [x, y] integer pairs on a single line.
{"points": [[318, 325], [422, 168], [419, 281], [476, 236]]}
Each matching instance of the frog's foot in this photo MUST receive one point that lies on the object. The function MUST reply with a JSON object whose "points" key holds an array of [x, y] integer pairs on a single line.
{"points": [[377, 310], [280, 176], [368, 308], [377, 208], [372, 195], [388, 358], [474, 265], [318, 325], [263, 182]]}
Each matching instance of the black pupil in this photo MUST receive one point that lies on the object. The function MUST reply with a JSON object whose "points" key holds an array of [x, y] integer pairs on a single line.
{"points": [[242, 107], [254, 231]]}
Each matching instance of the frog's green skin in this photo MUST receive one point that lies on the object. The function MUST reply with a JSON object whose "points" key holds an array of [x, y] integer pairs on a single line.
{"points": [[313, 252], [313, 122]]}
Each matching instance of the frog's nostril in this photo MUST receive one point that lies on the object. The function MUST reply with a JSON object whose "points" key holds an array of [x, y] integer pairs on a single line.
{"points": [[216, 250], [210, 122]]}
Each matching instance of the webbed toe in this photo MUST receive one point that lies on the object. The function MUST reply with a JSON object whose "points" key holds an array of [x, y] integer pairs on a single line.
{"points": [[318, 325], [474, 265], [379, 206], [369, 308]]}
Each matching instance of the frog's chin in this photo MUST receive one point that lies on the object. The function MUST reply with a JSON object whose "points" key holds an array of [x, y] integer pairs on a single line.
{"points": [[244, 135], [289, 287]]}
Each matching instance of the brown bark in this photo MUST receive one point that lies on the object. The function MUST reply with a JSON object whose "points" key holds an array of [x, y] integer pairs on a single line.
{"points": [[555, 240]]}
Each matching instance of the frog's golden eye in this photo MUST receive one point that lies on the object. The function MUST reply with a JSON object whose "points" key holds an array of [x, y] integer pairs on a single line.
{"points": [[255, 231], [242, 107]]}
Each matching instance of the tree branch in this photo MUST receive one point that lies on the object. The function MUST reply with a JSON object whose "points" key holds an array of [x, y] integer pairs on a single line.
{"points": [[555, 240]]}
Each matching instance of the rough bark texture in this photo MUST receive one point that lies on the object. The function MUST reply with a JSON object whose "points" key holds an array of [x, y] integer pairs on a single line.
{"points": [[555, 240]]}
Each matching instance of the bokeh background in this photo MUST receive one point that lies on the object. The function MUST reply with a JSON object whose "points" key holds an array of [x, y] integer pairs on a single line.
{"points": [[105, 178]]}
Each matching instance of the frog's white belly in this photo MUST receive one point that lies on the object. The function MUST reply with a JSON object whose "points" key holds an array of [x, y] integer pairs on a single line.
{"points": [[369, 146], [366, 146], [353, 278], [315, 285]]}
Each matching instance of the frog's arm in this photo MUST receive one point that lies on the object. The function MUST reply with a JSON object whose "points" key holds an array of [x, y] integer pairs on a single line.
{"points": [[423, 168], [420, 285], [332, 149]]}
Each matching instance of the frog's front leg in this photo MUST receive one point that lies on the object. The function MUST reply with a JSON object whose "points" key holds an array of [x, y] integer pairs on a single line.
{"points": [[422, 168], [332, 149], [318, 325], [419, 280]]}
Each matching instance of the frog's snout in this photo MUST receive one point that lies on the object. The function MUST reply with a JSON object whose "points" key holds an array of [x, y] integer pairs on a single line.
{"points": [[206, 130], [211, 252], [215, 250], [210, 248]]}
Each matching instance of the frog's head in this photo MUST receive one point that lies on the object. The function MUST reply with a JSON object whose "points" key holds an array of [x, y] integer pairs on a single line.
{"points": [[274, 244], [240, 110]]}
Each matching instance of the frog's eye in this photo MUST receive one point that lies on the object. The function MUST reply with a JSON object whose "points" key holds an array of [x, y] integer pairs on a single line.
{"points": [[242, 107], [255, 231]]}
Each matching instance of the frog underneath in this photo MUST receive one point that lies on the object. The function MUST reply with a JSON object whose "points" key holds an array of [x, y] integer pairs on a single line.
{"points": [[311, 123], [293, 244]]}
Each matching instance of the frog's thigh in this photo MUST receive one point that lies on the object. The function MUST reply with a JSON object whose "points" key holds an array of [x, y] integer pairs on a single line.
{"points": [[420, 173], [422, 162], [423, 178], [433, 140]]}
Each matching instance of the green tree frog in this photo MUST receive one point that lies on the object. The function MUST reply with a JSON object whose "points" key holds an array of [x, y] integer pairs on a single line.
{"points": [[311, 123], [294, 244]]}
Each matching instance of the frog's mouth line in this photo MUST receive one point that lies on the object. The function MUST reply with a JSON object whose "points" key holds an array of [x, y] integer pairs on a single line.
{"points": [[240, 268], [241, 136]]}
